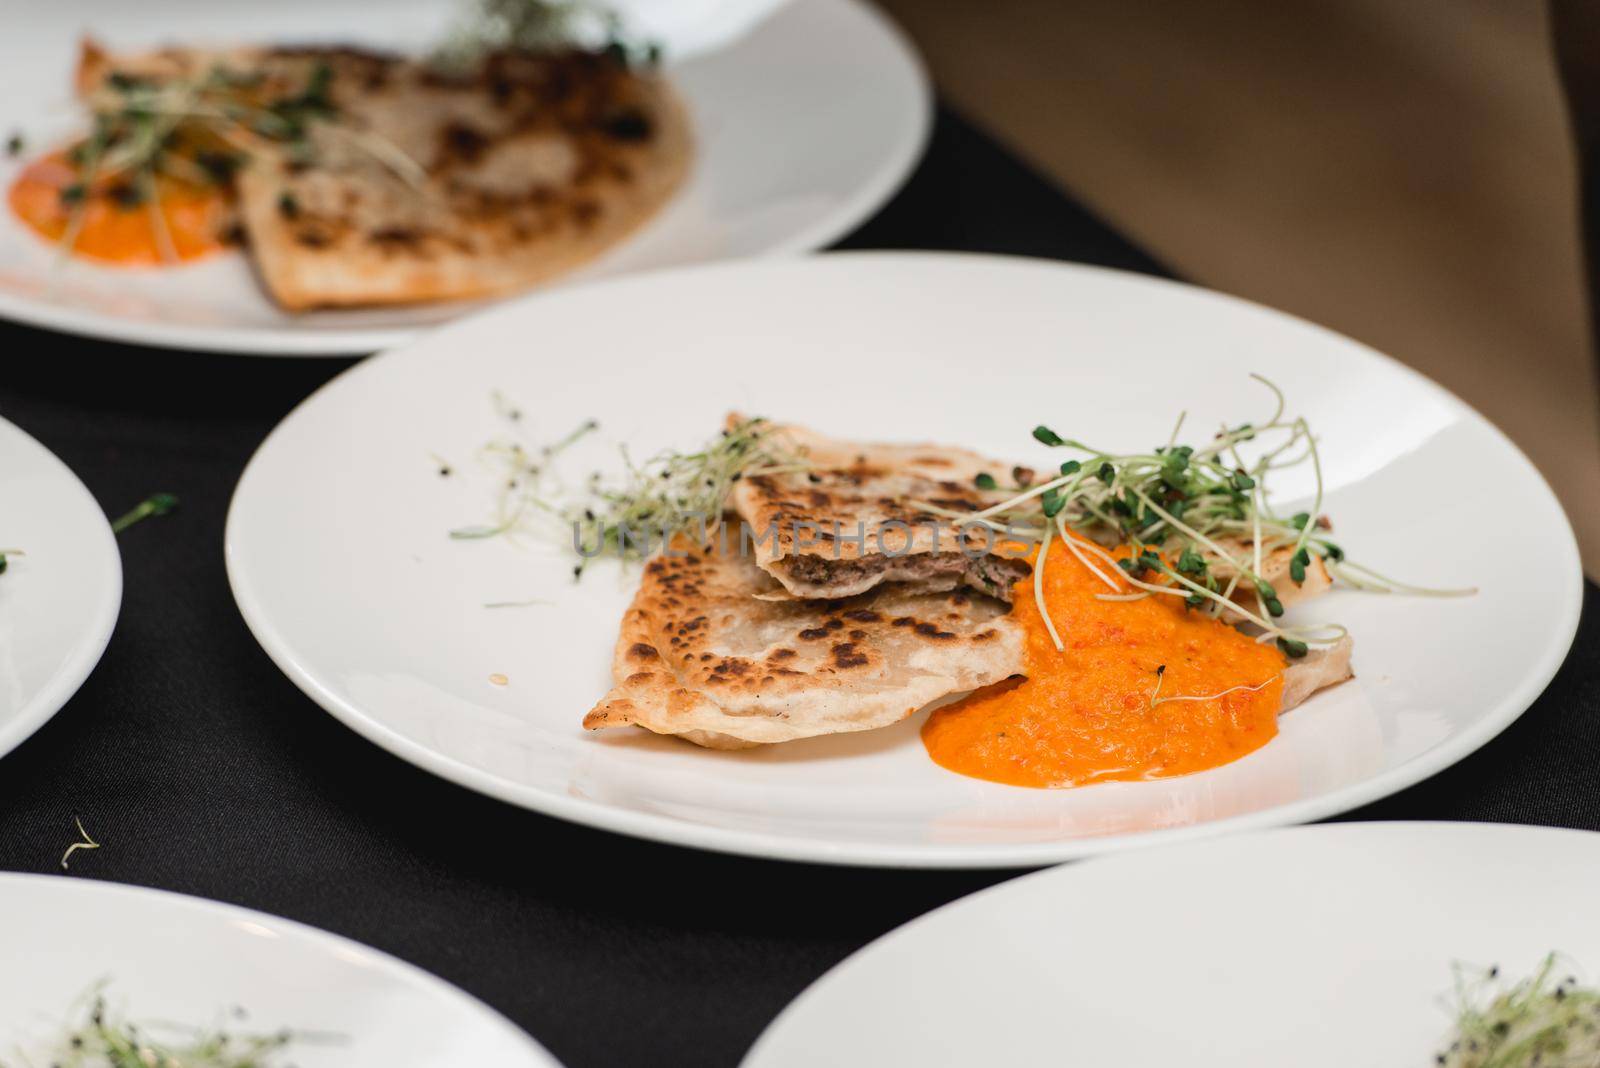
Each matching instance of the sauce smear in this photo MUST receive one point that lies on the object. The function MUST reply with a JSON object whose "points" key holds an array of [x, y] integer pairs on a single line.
{"points": [[114, 227], [1101, 710]]}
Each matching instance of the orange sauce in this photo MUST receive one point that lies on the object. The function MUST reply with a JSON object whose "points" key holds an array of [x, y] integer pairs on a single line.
{"points": [[114, 232], [1096, 711]]}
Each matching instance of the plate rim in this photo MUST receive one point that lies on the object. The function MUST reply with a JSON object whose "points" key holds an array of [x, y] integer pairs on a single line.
{"points": [[70, 677], [363, 953], [911, 141], [945, 856], [758, 1050]]}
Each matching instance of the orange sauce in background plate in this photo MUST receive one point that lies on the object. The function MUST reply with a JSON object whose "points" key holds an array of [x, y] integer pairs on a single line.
{"points": [[112, 231], [1094, 712]]}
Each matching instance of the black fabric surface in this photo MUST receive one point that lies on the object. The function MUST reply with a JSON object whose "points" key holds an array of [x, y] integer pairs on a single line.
{"points": [[201, 769]]}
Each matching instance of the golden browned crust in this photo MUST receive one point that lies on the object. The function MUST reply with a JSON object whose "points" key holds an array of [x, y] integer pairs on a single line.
{"points": [[817, 517], [702, 656], [1317, 670], [433, 186]]}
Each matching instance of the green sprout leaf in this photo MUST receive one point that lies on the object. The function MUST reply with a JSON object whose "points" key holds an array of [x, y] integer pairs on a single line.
{"points": [[1045, 435], [155, 504]]}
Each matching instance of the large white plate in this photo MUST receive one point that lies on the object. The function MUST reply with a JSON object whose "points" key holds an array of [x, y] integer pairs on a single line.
{"points": [[1318, 947], [805, 125], [59, 601], [338, 554], [182, 960]]}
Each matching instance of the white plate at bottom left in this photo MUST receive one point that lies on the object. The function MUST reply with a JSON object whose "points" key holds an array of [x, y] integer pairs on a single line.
{"points": [[184, 961]]}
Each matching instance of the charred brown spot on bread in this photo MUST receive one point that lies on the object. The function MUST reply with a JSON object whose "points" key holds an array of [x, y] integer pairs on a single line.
{"points": [[812, 634], [931, 630], [641, 651], [629, 124], [782, 654], [846, 656], [862, 615], [461, 142]]}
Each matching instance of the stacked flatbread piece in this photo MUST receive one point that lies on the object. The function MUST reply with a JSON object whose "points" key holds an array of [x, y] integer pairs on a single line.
{"points": [[413, 183], [798, 619]]}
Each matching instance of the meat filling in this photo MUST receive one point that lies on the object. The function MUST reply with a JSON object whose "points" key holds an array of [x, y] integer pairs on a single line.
{"points": [[820, 576]]}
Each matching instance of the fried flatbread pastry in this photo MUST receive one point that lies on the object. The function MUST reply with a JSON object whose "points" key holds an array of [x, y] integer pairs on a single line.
{"points": [[850, 521], [1317, 670], [701, 656], [410, 184]]}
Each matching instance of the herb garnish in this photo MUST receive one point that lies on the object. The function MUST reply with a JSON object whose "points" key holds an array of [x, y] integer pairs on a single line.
{"points": [[670, 493], [155, 504], [85, 842], [1538, 1021], [541, 26], [1198, 520], [200, 130], [102, 1039]]}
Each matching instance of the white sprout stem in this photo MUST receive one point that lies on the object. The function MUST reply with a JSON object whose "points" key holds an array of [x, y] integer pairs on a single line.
{"points": [[1316, 501], [158, 223], [1181, 527], [1221, 694], [1255, 511], [1072, 545], [1342, 569], [1276, 392], [1263, 621], [1038, 591]]}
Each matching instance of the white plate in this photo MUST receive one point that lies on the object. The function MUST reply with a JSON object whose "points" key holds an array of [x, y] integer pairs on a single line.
{"points": [[59, 601], [183, 960], [338, 554], [1317, 947], [805, 125]]}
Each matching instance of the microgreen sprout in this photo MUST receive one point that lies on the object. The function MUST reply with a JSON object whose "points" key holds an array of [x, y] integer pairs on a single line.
{"points": [[541, 26], [99, 1037], [1543, 1020], [84, 842], [155, 504], [200, 130], [1197, 521], [669, 494]]}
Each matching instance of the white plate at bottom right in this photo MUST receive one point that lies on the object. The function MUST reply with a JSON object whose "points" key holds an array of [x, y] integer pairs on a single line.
{"points": [[1317, 947]]}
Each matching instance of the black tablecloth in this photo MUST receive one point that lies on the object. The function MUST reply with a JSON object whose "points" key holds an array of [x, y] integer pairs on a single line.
{"points": [[201, 769]]}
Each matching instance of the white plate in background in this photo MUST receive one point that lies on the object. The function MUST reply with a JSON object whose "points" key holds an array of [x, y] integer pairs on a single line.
{"points": [[805, 125], [183, 960], [59, 599], [339, 555], [1317, 947]]}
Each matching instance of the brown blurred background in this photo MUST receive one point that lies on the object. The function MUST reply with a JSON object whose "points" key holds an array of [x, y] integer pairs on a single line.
{"points": [[1400, 171]]}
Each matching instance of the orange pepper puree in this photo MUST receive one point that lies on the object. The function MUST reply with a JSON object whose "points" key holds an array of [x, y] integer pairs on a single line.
{"points": [[114, 232], [1085, 715]]}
